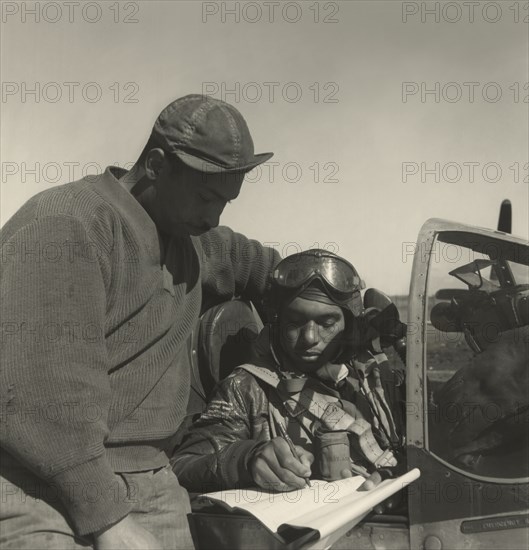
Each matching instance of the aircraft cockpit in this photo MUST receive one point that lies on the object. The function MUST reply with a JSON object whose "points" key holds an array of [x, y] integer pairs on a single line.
{"points": [[468, 384], [477, 373]]}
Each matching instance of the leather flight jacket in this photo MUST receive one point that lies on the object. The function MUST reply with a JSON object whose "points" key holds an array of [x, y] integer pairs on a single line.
{"points": [[246, 407]]}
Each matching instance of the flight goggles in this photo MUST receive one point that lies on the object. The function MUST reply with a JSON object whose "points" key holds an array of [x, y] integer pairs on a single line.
{"points": [[339, 276]]}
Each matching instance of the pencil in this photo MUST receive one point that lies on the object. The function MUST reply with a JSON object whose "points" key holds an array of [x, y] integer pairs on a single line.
{"points": [[285, 436]]}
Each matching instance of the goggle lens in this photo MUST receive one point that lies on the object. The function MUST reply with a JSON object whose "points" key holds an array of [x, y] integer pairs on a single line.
{"points": [[296, 270]]}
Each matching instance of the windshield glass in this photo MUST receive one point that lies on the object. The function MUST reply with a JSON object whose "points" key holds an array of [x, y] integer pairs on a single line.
{"points": [[477, 364]]}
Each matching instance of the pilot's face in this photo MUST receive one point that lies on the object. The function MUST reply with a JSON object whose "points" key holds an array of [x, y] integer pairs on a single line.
{"points": [[311, 333]]}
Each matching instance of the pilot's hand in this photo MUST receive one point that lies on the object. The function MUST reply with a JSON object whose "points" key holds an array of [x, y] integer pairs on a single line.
{"points": [[370, 483], [126, 534], [273, 466]]}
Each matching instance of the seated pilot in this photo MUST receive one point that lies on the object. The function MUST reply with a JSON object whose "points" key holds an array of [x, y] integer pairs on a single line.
{"points": [[312, 401]]}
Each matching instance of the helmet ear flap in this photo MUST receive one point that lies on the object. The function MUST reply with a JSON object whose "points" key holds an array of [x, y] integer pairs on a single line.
{"points": [[270, 311], [270, 303], [276, 299]]}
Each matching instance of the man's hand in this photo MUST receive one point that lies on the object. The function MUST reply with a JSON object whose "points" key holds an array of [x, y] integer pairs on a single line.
{"points": [[126, 535], [370, 483], [273, 466]]}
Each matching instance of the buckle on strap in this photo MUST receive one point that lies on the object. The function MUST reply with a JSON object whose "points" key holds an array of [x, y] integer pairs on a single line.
{"points": [[294, 408]]}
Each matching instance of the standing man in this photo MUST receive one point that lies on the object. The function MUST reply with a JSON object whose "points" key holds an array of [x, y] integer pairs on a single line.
{"points": [[102, 281]]}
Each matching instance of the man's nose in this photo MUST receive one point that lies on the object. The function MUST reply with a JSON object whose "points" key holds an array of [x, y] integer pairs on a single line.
{"points": [[310, 334]]}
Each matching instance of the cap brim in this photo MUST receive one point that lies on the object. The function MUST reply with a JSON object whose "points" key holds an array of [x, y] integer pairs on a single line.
{"points": [[209, 167]]}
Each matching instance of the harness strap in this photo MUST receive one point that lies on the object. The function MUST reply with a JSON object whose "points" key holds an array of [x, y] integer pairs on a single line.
{"points": [[267, 375], [327, 410]]}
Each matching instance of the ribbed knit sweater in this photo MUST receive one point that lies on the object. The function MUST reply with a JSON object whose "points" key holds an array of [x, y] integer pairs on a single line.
{"points": [[95, 373]]}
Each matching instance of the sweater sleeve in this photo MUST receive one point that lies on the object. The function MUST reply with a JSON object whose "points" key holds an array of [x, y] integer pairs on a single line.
{"points": [[233, 265], [214, 454], [54, 382]]}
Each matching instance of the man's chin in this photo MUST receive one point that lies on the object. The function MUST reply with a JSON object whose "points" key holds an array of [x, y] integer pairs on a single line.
{"points": [[308, 363], [183, 230], [309, 358], [196, 231]]}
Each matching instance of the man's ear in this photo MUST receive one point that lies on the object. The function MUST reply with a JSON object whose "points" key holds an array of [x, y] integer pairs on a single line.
{"points": [[154, 163]]}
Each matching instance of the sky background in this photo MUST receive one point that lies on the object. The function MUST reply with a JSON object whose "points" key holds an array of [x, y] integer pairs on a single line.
{"points": [[337, 122]]}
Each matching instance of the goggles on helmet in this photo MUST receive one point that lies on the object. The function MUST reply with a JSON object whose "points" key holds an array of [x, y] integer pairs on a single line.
{"points": [[339, 277]]}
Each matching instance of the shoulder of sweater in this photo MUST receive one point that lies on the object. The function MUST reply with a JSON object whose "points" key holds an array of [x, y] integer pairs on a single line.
{"points": [[222, 240], [77, 200]]}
